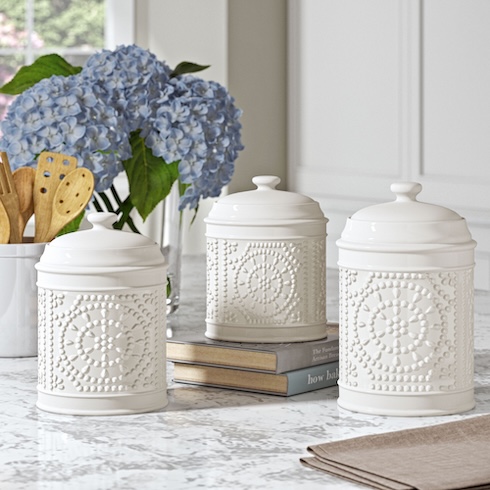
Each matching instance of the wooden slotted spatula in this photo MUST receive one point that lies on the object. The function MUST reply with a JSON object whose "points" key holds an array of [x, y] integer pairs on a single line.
{"points": [[24, 184], [51, 170], [4, 225], [70, 199], [10, 200]]}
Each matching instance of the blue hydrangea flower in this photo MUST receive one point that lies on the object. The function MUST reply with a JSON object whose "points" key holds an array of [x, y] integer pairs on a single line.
{"points": [[196, 123], [61, 114], [93, 114], [128, 78]]}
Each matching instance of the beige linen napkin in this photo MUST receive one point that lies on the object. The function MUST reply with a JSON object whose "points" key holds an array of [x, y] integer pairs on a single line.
{"points": [[450, 456]]}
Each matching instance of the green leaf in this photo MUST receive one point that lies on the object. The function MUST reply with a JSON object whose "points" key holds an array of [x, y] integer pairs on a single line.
{"points": [[43, 67], [150, 178], [187, 67], [72, 225]]}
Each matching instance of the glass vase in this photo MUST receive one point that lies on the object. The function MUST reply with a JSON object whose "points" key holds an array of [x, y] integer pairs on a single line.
{"points": [[171, 243]]}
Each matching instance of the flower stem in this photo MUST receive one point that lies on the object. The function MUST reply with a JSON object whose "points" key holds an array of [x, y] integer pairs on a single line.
{"points": [[97, 205], [115, 195], [127, 217], [107, 202], [123, 209]]}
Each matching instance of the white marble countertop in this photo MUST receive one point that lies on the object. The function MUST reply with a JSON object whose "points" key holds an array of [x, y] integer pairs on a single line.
{"points": [[205, 438]]}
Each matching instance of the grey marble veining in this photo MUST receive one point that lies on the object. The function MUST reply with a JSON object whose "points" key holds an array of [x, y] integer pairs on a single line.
{"points": [[205, 438]]}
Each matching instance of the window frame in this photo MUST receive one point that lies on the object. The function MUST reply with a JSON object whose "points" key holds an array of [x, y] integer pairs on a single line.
{"points": [[119, 28], [120, 23]]}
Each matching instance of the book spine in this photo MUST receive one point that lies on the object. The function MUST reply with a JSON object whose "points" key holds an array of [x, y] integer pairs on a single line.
{"points": [[306, 355], [314, 378]]}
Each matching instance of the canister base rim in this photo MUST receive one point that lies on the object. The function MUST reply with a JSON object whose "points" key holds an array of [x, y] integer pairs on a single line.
{"points": [[14, 353], [406, 404], [265, 333], [103, 404]]}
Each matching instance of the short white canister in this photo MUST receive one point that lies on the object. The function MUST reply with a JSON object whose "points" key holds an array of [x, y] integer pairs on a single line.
{"points": [[101, 322], [266, 266], [406, 309]]}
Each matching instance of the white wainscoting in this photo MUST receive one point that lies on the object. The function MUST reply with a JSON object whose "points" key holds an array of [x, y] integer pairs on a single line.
{"points": [[391, 90]]}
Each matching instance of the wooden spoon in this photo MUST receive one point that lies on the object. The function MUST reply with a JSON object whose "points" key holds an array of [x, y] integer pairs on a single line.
{"points": [[70, 199], [51, 170], [4, 225], [24, 183], [10, 200]]}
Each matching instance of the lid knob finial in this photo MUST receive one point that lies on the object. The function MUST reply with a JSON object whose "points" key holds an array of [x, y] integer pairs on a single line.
{"points": [[102, 221], [406, 191], [266, 182]]}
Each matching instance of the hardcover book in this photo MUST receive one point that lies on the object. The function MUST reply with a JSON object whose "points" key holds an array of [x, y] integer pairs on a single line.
{"points": [[271, 358], [285, 384]]}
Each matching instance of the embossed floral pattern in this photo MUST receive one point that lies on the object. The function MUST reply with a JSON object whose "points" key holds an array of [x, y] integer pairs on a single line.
{"points": [[401, 333], [266, 282], [102, 343], [266, 279]]}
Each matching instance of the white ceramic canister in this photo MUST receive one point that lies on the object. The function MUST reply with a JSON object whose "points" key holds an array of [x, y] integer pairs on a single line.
{"points": [[406, 309], [102, 322], [18, 299], [266, 266]]}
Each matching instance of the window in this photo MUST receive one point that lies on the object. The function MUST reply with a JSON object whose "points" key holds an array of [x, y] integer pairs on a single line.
{"points": [[72, 28]]}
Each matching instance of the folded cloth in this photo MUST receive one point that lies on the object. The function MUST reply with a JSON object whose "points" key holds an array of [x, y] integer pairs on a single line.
{"points": [[449, 456]]}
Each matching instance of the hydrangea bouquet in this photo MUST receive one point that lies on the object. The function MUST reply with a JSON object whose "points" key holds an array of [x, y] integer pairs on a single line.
{"points": [[126, 111]]}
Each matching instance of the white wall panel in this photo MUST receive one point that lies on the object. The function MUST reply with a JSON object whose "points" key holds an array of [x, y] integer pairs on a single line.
{"points": [[456, 81], [391, 90], [352, 88]]}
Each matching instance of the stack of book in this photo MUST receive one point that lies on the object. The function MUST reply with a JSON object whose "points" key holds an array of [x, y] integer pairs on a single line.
{"points": [[280, 369]]}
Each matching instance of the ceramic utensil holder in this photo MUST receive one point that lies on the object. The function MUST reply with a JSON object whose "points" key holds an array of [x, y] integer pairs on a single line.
{"points": [[102, 322], [266, 266], [18, 299], [406, 309]]}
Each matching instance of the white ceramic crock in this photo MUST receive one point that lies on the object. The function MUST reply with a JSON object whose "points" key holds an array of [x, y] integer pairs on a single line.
{"points": [[266, 266], [18, 299], [102, 322], [406, 309]]}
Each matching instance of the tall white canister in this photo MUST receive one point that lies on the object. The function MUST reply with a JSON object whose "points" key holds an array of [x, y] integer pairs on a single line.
{"points": [[406, 308], [266, 266], [102, 322]]}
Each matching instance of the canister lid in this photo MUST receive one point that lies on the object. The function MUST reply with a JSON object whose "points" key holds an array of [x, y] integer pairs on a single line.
{"points": [[406, 221], [102, 247], [265, 205]]}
